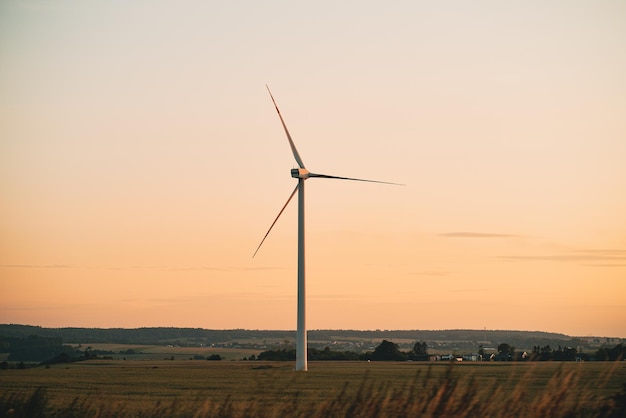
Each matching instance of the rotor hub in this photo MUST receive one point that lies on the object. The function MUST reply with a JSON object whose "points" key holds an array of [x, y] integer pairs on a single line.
{"points": [[300, 173]]}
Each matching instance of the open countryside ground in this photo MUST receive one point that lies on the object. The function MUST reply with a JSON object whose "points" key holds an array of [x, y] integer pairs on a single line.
{"points": [[253, 388], [160, 352]]}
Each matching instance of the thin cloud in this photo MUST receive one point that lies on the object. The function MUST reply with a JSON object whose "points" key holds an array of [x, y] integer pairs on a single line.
{"points": [[231, 268], [127, 268], [605, 265], [603, 252], [470, 290], [197, 269], [430, 273], [476, 235], [36, 266], [332, 297], [270, 268], [575, 256]]}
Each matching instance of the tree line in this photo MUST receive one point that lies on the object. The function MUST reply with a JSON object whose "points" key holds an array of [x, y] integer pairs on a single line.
{"points": [[46, 349], [389, 351], [507, 352], [385, 351], [189, 336]]}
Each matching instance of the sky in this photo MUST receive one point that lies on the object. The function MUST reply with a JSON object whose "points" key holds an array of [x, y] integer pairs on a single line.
{"points": [[142, 161]]}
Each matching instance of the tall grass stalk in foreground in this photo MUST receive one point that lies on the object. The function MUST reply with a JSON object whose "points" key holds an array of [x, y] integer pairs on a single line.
{"points": [[451, 395]]}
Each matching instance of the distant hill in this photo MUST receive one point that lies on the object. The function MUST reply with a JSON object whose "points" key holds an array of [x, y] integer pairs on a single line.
{"points": [[359, 340]]}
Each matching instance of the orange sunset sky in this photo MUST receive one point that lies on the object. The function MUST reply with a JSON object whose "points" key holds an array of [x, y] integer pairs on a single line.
{"points": [[142, 161]]}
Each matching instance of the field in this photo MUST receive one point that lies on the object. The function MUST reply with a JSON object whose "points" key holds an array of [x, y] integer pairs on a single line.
{"points": [[160, 352], [253, 388]]}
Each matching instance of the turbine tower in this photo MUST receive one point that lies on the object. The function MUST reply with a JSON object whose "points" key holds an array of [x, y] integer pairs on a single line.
{"points": [[301, 173]]}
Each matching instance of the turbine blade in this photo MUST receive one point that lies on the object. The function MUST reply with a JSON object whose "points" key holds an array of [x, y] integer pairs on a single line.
{"points": [[291, 144], [279, 213], [325, 176]]}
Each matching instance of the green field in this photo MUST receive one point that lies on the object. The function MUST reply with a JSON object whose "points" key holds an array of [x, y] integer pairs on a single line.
{"points": [[252, 388]]}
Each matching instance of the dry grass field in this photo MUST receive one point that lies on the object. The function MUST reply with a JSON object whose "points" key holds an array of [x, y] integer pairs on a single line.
{"points": [[106, 388]]}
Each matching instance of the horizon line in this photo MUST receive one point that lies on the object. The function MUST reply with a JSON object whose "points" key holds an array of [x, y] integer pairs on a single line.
{"points": [[317, 329]]}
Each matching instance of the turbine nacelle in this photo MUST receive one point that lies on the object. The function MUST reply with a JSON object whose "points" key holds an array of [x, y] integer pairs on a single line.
{"points": [[300, 173]]}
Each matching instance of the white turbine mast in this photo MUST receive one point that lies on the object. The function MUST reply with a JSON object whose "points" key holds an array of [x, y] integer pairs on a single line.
{"points": [[302, 174]]}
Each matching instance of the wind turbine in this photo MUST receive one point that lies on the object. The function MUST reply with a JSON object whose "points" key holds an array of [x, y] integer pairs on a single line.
{"points": [[301, 173]]}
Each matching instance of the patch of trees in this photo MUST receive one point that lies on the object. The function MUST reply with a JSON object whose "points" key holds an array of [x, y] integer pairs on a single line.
{"points": [[390, 351], [212, 357], [419, 352], [6, 366], [385, 351], [506, 352], [45, 350], [328, 354], [616, 353], [34, 348], [278, 355], [547, 353], [312, 354]]}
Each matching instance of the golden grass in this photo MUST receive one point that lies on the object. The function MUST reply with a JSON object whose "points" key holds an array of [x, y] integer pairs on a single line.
{"points": [[350, 389]]}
